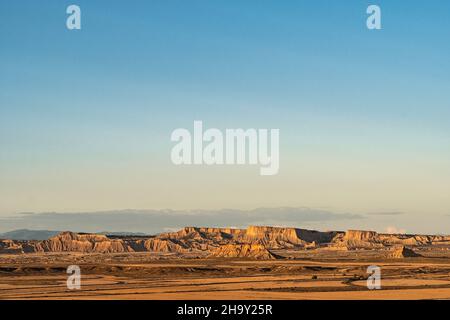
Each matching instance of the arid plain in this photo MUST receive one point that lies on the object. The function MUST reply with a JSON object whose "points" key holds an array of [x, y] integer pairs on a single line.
{"points": [[213, 263]]}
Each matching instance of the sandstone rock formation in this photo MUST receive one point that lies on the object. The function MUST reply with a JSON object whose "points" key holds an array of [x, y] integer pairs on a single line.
{"points": [[255, 241], [281, 238], [69, 241], [402, 252], [10, 246], [86, 243], [357, 239], [202, 238], [270, 237], [254, 251]]}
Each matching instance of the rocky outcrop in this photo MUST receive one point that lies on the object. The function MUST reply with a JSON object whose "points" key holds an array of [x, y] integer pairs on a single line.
{"points": [[162, 245], [69, 241], [414, 240], [250, 251], [402, 252], [10, 246], [74, 242], [217, 234], [278, 238], [87, 243], [237, 242], [357, 239], [270, 237], [202, 239]]}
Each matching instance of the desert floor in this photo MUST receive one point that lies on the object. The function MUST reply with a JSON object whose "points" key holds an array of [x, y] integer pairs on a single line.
{"points": [[311, 275]]}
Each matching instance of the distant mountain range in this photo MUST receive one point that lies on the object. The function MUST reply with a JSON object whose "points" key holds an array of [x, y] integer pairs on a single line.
{"points": [[26, 234], [157, 221]]}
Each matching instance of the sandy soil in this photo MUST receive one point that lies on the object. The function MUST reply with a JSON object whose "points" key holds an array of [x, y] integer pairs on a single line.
{"points": [[152, 276]]}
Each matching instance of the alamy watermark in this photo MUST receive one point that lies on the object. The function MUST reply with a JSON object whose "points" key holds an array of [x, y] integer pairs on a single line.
{"points": [[374, 280], [374, 20], [233, 147], [74, 279], [73, 21]]}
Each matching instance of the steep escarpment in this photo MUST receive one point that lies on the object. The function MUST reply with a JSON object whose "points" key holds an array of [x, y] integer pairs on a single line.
{"points": [[400, 252], [89, 243], [164, 245], [253, 251], [358, 239], [202, 238], [216, 234], [69, 241], [355, 239], [278, 238], [270, 237]]}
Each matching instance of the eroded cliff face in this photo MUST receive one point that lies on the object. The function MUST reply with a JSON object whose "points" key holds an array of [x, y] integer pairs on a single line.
{"points": [[202, 239], [358, 239], [255, 251], [270, 237], [164, 245], [217, 234], [280, 238], [400, 252], [10, 246], [87, 243], [73, 242], [250, 242]]}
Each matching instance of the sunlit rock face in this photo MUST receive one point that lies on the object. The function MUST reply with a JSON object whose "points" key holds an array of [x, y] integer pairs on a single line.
{"points": [[255, 251], [254, 242], [402, 252]]}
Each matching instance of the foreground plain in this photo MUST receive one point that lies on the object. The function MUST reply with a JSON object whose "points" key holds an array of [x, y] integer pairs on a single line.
{"points": [[307, 275]]}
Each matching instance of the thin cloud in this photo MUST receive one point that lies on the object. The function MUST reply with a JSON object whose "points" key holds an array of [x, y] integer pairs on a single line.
{"points": [[155, 221], [387, 213], [394, 230]]}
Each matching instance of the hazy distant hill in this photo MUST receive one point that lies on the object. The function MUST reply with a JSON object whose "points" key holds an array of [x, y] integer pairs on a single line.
{"points": [[124, 234], [25, 234]]}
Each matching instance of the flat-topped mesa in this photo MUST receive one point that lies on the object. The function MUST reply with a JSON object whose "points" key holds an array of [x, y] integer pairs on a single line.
{"points": [[371, 238], [202, 233], [360, 235], [273, 236], [201, 238], [72, 236], [356, 239], [414, 240], [279, 237]]}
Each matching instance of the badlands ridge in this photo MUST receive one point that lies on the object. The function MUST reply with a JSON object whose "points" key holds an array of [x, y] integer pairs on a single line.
{"points": [[254, 242]]}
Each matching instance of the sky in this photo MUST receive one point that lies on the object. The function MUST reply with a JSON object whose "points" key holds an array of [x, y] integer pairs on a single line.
{"points": [[86, 115]]}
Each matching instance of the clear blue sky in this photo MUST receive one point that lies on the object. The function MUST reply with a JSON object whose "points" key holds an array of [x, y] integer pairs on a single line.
{"points": [[86, 116]]}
